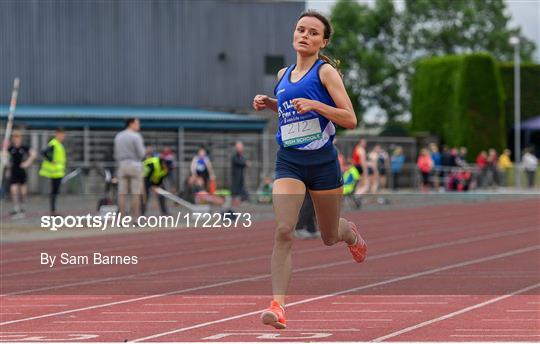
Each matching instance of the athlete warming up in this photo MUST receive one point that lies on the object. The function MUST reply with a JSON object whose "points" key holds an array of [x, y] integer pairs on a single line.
{"points": [[311, 97]]}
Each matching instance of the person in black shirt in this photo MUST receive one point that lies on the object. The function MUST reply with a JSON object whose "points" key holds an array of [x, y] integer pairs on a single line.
{"points": [[239, 164], [21, 157]]}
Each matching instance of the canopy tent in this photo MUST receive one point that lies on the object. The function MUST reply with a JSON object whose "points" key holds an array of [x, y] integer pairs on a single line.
{"points": [[531, 124]]}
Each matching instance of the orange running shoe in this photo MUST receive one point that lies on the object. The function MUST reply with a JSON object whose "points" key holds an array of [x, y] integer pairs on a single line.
{"points": [[274, 316], [358, 249]]}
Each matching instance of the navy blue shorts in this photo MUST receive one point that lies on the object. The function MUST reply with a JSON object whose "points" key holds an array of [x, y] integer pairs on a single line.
{"points": [[317, 169]]}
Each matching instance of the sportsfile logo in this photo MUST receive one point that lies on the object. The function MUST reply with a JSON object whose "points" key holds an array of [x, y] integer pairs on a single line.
{"points": [[112, 220]]}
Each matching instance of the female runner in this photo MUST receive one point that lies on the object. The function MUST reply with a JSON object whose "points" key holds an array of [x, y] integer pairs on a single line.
{"points": [[311, 97]]}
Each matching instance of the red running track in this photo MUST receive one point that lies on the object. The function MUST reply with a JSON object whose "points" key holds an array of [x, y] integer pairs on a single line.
{"points": [[443, 273]]}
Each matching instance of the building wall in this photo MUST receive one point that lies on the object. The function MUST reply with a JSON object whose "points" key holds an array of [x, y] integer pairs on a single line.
{"points": [[206, 53]]}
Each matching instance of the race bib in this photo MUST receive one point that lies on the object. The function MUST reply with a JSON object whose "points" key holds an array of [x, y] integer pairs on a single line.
{"points": [[301, 132]]}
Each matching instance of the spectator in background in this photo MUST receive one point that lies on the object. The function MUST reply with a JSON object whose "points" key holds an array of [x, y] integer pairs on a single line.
{"points": [[491, 168], [437, 164], [481, 166], [447, 162], [239, 164], [306, 227], [351, 177], [425, 165], [382, 165], [530, 163], [201, 166], [341, 158], [455, 161], [264, 192], [373, 171], [359, 160], [505, 165], [129, 152], [149, 152], [196, 193], [168, 155], [53, 166], [462, 157], [21, 157], [396, 162], [156, 169]]}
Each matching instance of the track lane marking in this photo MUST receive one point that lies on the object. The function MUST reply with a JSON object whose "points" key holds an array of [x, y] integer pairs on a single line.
{"points": [[365, 311], [164, 312], [203, 304], [347, 291], [341, 320], [494, 335], [110, 322], [148, 297], [453, 314], [493, 329]]}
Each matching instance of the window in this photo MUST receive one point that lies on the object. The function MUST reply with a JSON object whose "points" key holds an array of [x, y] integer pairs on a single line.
{"points": [[273, 63]]}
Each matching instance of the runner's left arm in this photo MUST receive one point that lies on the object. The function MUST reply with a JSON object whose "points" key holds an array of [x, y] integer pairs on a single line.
{"points": [[343, 114]]}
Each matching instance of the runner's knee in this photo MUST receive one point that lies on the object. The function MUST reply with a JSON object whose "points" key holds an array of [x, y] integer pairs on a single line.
{"points": [[284, 232]]}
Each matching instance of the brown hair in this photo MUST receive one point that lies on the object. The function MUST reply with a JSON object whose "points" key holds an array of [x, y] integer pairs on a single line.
{"points": [[326, 35]]}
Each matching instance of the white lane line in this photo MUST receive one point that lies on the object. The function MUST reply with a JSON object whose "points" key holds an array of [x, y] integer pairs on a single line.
{"points": [[34, 332], [493, 329], [111, 321], [494, 335], [244, 260], [304, 330], [315, 267], [34, 306], [406, 296], [341, 320], [203, 304], [62, 297], [164, 312], [365, 311], [348, 291], [219, 297], [453, 314], [389, 303]]}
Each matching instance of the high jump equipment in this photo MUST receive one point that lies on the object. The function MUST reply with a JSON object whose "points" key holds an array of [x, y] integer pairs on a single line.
{"points": [[9, 127]]}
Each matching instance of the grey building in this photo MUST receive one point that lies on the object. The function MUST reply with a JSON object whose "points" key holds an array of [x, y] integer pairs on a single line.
{"points": [[204, 53]]}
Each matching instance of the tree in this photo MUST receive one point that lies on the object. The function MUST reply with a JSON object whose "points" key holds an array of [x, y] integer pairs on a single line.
{"points": [[442, 27], [378, 45], [366, 44]]}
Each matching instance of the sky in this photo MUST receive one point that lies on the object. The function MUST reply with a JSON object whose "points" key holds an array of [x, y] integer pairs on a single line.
{"points": [[525, 13]]}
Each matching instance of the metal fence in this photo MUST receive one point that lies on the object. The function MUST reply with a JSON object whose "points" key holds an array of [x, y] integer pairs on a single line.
{"points": [[92, 151]]}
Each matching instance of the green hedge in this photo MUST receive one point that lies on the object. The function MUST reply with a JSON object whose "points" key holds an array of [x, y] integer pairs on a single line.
{"points": [[460, 99], [530, 91]]}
